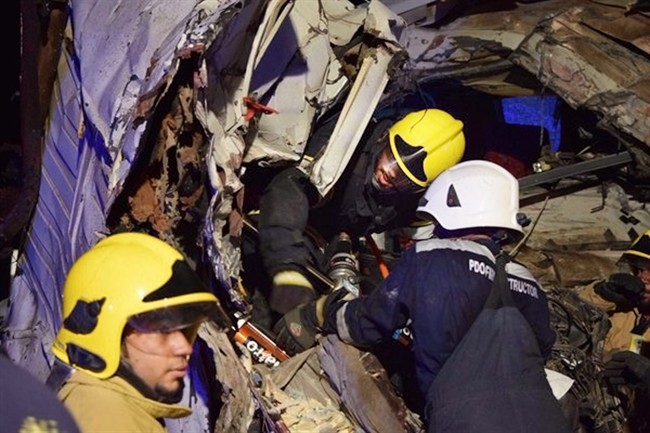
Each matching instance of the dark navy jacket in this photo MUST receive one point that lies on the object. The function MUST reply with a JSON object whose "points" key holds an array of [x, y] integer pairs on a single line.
{"points": [[441, 285], [290, 203], [28, 405]]}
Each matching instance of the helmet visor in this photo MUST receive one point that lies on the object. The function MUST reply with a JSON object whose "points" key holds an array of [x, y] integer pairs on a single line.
{"points": [[388, 176], [170, 319]]}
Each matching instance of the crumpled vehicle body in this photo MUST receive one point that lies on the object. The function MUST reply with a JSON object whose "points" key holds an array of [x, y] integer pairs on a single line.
{"points": [[159, 107], [155, 109]]}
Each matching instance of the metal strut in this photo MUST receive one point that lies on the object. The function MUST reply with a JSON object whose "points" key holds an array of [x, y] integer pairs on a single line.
{"points": [[575, 169]]}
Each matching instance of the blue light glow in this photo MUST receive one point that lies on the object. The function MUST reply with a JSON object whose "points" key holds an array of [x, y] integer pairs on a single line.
{"points": [[534, 110]]}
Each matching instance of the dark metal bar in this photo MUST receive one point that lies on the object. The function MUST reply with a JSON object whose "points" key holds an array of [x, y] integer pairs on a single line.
{"points": [[575, 169]]}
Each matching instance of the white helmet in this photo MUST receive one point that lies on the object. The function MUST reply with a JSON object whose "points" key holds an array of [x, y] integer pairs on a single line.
{"points": [[473, 194]]}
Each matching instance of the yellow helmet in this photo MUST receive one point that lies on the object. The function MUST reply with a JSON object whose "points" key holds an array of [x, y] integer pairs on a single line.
{"points": [[638, 255], [425, 143], [125, 278]]}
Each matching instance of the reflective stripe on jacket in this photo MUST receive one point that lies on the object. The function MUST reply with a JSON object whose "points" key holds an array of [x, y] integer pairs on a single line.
{"points": [[441, 285]]}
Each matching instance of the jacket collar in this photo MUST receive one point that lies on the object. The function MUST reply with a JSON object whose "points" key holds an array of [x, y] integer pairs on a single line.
{"points": [[118, 385]]}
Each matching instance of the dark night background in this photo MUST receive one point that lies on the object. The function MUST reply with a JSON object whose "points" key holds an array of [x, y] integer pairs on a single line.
{"points": [[10, 138], [10, 103]]}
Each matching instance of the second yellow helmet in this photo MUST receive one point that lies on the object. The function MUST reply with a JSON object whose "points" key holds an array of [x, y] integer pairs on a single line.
{"points": [[418, 147], [425, 143]]}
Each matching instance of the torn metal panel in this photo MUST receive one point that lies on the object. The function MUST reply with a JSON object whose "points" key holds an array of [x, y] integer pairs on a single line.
{"points": [[344, 19], [88, 154], [475, 48], [640, 6], [304, 73], [221, 109], [474, 41], [115, 65], [69, 217], [631, 28], [378, 64], [156, 37], [594, 218], [421, 12], [300, 76], [590, 70], [77, 189], [355, 115]]}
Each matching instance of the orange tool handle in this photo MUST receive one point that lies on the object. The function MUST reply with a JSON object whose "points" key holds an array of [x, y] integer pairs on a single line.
{"points": [[381, 263]]}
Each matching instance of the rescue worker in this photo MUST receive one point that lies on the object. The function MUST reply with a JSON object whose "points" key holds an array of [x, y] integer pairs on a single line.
{"points": [[440, 284], [625, 296], [378, 190], [132, 307]]}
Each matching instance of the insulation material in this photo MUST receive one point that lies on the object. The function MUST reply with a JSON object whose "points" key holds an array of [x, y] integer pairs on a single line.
{"points": [[166, 196]]}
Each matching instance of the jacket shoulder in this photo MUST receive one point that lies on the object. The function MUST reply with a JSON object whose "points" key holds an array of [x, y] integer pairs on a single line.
{"points": [[99, 407], [588, 294]]}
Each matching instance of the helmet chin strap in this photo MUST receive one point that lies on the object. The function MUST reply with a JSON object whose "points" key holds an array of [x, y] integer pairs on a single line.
{"points": [[125, 371], [59, 373], [502, 237], [375, 188], [499, 236]]}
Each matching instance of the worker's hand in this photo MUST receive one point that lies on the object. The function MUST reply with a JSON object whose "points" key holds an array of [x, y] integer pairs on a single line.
{"points": [[290, 289], [329, 307], [625, 290], [297, 330], [629, 368]]}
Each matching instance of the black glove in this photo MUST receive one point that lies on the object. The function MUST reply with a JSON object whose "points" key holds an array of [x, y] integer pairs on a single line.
{"points": [[290, 289], [624, 290], [628, 368], [297, 330], [330, 306]]}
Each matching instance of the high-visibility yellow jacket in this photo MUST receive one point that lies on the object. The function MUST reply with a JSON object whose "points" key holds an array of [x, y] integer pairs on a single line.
{"points": [[113, 405]]}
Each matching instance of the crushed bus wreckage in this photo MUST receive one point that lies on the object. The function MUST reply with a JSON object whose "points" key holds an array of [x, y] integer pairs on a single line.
{"points": [[161, 115]]}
